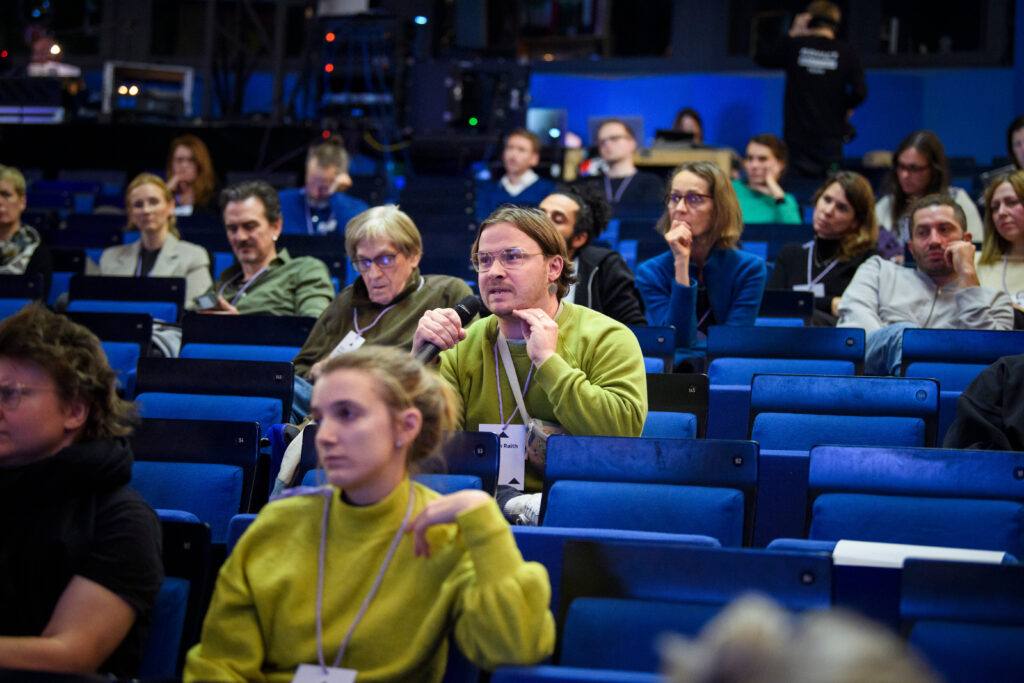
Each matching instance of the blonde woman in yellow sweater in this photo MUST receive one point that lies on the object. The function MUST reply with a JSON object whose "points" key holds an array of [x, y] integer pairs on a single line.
{"points": [[373, 573]]}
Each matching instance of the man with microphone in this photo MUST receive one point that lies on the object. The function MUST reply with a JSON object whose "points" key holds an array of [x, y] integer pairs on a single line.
{"points": [[539, 365]]}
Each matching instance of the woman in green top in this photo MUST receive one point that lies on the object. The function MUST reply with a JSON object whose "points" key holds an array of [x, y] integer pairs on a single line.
{"points": [[762, 199]]}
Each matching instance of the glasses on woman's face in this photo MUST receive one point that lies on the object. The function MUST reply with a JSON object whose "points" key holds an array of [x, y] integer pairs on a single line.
{"points": [[384, 262], [693, 199], [10, 394], [510, 259]]}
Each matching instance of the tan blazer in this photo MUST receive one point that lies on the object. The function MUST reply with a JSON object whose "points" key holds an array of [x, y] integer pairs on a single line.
{"points": [[176, 259]]}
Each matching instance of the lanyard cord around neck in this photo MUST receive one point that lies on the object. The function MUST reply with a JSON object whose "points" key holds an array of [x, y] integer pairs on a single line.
{"points": [[355, 313], [241, 291], [810, 258], [373, 589], [614, 198], [497, 381]]}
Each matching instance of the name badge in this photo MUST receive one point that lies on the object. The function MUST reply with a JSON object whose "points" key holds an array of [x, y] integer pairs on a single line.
{"points": [[312, 673], [817, 288], [351, 342], [512, 458]]}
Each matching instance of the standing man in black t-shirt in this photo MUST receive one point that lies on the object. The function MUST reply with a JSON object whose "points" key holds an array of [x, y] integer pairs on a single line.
{"points": [[824, 83]]}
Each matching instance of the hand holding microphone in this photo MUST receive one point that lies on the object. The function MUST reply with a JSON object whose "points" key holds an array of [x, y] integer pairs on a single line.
{"points": [[442, 328]]}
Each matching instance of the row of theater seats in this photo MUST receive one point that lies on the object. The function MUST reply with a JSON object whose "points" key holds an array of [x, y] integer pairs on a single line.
{"points": [[639, 537]]}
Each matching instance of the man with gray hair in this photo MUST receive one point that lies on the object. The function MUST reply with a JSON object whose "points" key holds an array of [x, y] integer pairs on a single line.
{"points": [[321, 207], [263, 280], [942, 291]]}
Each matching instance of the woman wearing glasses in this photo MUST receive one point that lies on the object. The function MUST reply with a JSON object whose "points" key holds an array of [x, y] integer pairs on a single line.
{"points": [[703, 279], [385, 302], [919, 168]]}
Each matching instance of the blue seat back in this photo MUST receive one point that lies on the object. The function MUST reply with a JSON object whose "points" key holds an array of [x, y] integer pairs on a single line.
{"points": [[729, 395], [259, 409], [657, 343], [966, 618], [809, 343], [474, 453], [211, 492], [690, 462], [9, 307], [545, 544], [666, 508], [236, 527], [611, 633], [166, 625], [661, 424], [123, 357], [159, 310], [240, 352], [687, 575], [567, 674], [956, 498], [449, 483], [678, 393]]}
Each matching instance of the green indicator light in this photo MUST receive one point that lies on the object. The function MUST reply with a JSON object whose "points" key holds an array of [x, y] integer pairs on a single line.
{"points": [[473, 121]]}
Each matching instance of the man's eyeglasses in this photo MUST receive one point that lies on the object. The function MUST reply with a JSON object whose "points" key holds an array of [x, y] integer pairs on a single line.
{"points": [[384, 262], [911, 168], [611, 138], [10, 394], [510, 259], [692, 199]]}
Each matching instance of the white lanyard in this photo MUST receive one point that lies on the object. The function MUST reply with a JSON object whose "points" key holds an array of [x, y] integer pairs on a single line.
{"points": [[244, 287], [614, 199], [810, 257], [510, 372], [355, 314], [373, 589]]}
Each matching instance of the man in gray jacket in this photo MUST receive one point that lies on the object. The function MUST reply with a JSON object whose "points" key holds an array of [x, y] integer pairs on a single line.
{"points": [[942, 291]]}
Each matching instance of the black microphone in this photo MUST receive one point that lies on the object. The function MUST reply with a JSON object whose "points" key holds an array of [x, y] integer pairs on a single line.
{"points": [[467, 308]]}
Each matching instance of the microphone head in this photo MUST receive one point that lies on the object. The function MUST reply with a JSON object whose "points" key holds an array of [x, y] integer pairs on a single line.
{"points": [[468, 307]]}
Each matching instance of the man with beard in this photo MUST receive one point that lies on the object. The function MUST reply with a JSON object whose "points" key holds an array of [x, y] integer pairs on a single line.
{"points": [[942, 291], [264, 281]]}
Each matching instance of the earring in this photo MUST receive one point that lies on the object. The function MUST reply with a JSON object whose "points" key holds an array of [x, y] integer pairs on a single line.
{"points": [[399, 443], [552, 288]]}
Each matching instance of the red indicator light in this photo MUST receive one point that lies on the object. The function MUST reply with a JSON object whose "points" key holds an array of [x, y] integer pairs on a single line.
{"points": [[328, 68], [330, 37]]}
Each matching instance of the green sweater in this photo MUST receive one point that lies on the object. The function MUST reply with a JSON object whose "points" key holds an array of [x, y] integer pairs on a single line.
{"points": [[261, 623], [594, 384], [395, 328], [290, 286], [758, 207]]}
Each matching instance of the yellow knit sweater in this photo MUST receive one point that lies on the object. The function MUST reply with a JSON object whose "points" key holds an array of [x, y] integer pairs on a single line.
{"points": [[261, 623]]}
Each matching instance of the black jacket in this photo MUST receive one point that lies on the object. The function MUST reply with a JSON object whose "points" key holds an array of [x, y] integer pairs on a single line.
{"points": [[69, 515], [990, 412], [605, 284]]}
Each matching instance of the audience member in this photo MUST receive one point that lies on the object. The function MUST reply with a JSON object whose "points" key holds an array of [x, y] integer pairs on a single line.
{"points": [[265, 281], [604, 282], [520, 184], [762, 199], [703, 279], [920, 168], [621, 181], [580, 371], [845, 233], [322, 206], [158, 252], [79, 549], [688, 121], [1000, 264], [384, 304], [190, 176], [21, 247], [824, 83], [449, 564], [942, 291], [754, 640], [990, 411], [1015, 141]]}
